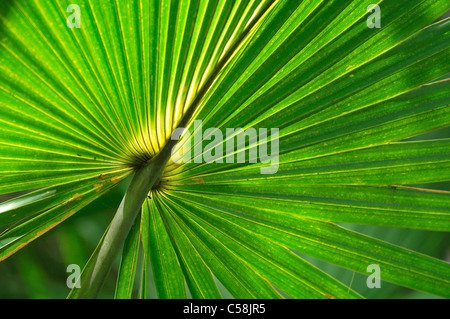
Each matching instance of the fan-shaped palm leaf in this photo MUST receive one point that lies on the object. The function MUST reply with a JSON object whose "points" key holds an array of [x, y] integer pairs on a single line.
{"points": [[84, 108]]}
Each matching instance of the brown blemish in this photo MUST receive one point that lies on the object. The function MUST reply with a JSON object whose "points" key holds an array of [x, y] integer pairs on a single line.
{"points": [[115, 179], [75, 197], [198, 180], [98, 187]]}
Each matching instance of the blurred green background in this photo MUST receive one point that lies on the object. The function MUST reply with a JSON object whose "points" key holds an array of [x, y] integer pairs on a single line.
{"points": [[39, 269]]}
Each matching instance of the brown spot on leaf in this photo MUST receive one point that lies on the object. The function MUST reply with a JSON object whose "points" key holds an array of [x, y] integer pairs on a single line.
{"points": [[198, 180], [75, 197], [98, 187], [115, 179]]}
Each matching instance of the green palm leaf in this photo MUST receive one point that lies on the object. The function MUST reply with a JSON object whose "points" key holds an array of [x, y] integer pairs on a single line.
{"points": [[83, 109]]}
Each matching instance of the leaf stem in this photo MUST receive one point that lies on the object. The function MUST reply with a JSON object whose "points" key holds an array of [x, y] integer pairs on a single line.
{"points": [[99, 265]]}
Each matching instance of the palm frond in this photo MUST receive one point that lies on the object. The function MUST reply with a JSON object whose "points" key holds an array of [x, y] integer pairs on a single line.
{"points": [[84, 108]]}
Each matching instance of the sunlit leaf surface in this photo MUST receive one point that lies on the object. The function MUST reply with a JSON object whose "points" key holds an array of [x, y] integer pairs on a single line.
{"points": [[81, 109]]}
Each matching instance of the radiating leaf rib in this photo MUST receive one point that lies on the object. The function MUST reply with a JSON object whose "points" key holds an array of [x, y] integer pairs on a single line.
{"points": [[399, 265], [103, 58], [198, 276], [45, 145], [223, 261], [128, 263], [400, 163], [95, 61], [19, 236], [77, 100], [364, 106], [428, 97], [236, 22], [355, 251], [169, 279], [232, 103], [58, 195], [252, 47], [382, 206], [282, 268], [377, 135], [145, 243], [286, 101], [24, 181], [83, 108], [184, 27]]}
